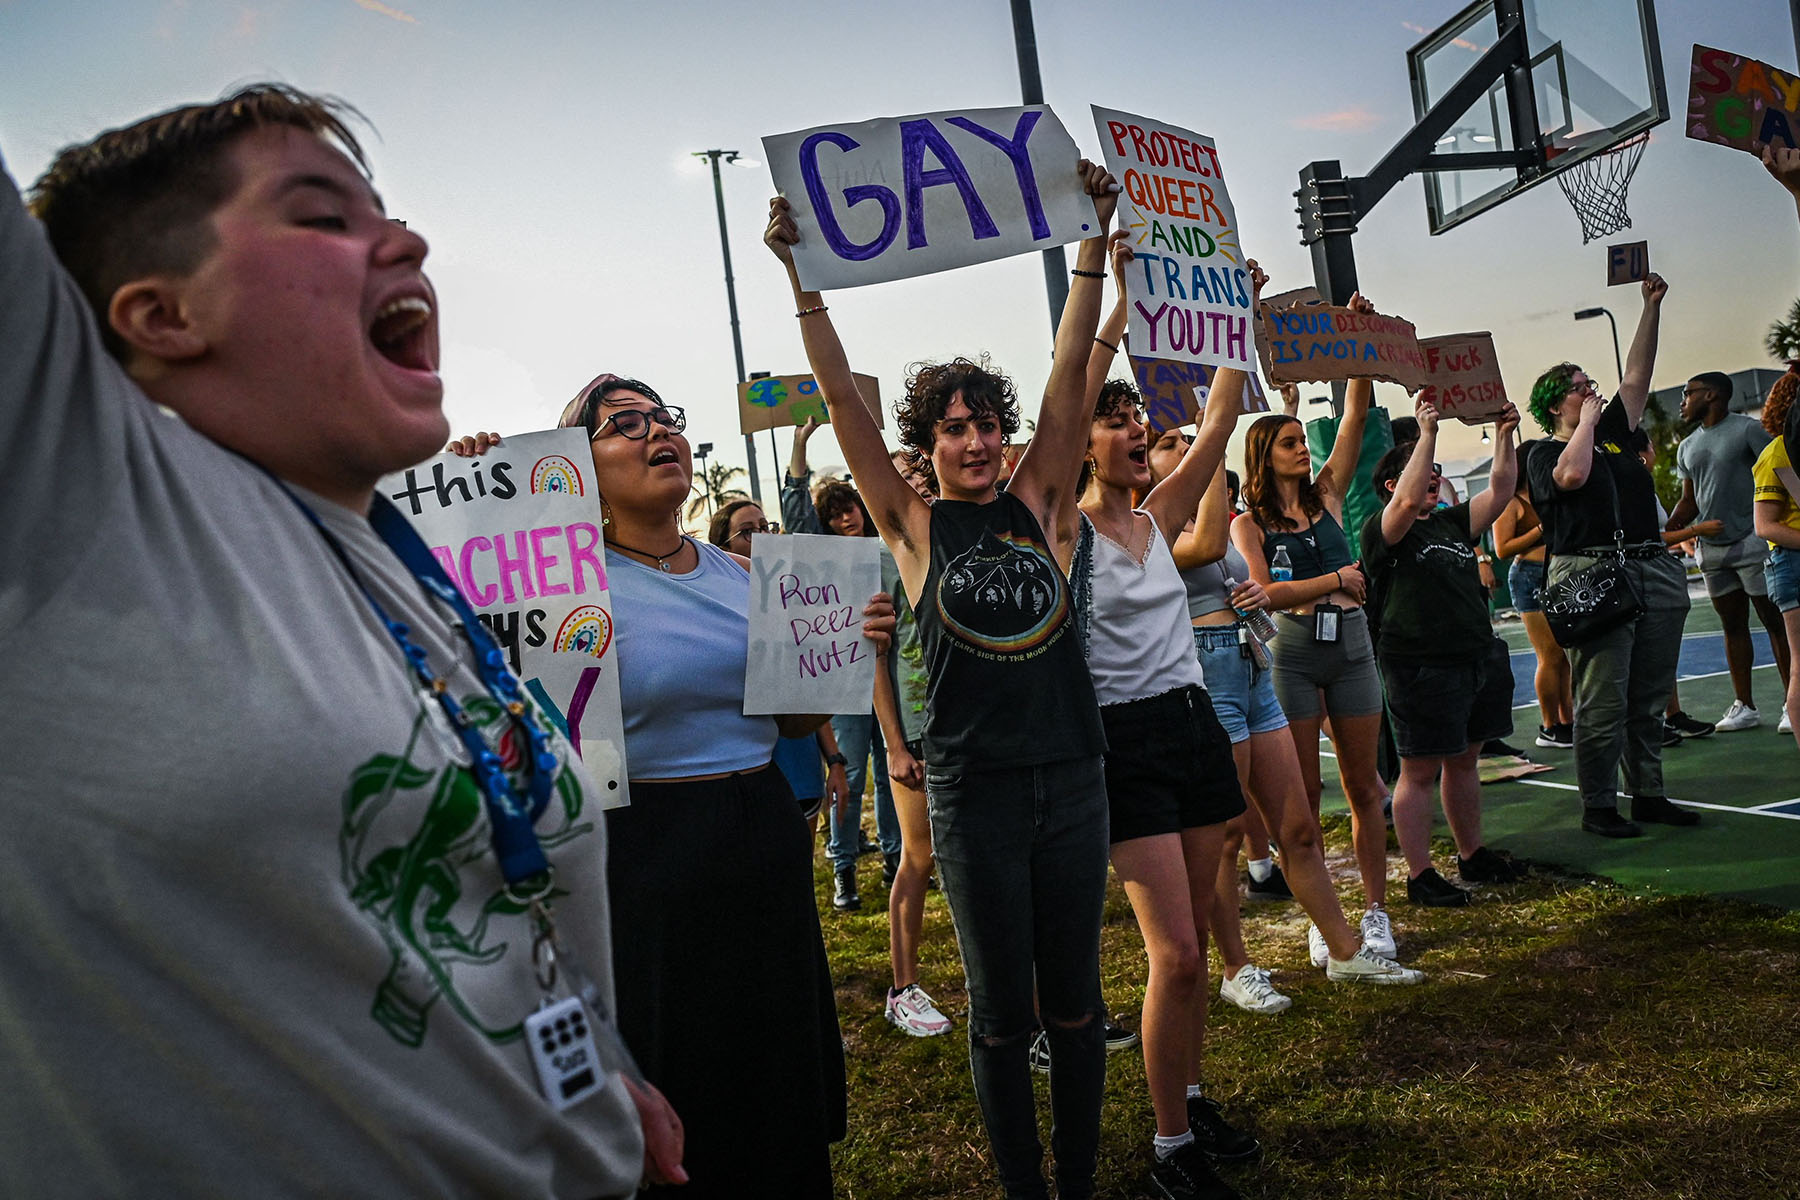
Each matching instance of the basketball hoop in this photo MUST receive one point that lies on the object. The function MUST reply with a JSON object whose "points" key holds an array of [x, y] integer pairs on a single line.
{"points": [[1596, 187]]}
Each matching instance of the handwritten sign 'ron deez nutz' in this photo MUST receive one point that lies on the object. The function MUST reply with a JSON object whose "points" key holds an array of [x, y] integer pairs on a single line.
{"points": [[807, 652]]}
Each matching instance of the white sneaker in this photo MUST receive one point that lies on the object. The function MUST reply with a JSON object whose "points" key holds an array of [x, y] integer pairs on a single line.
{"points": [[1366, 966], [912, 1010], [1315, 945], [1378, 933], [1252, 991], [1784, 725], [1738, 716]]}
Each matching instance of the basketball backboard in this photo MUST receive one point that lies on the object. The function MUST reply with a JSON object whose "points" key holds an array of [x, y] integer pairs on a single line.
{"points": [[1596, 79]]}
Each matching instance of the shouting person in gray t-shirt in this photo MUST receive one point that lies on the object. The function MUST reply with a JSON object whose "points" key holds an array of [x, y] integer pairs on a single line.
{"points": [[1714, 464], [273, 892]]}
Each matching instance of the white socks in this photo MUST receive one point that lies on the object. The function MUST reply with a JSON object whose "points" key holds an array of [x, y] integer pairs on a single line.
{"points": [[1262, 868], [1166, 1146]]}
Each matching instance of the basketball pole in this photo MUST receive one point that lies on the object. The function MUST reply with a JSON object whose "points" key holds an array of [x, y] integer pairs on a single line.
{"points": [[1332, 204]]}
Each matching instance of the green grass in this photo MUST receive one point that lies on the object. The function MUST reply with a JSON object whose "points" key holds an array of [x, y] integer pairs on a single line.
{"points": [[1575, 1039]]}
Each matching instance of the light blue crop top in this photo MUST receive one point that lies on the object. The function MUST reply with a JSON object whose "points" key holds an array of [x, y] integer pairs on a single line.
{"points": [[682, 642]]}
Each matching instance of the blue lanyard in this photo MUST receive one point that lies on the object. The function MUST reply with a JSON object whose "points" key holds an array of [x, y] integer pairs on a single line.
{"points": [[510, 818]]}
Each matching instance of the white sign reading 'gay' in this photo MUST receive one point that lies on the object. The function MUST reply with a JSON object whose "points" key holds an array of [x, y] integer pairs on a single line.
{"points": [[904, 196], [807, 651]]}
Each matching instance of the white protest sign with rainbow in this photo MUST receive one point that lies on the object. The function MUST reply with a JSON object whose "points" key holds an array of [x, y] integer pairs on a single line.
{"points": [[518, 532]]}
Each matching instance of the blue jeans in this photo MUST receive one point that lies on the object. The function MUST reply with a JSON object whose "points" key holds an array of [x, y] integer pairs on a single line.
{"points": [[858, 736], [1022, 853]]}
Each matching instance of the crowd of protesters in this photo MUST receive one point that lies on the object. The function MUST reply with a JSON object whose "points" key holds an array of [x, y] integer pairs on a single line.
{"points": [[313, 860]]}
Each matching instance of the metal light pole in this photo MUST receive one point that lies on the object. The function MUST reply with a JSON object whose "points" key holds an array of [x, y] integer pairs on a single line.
{"points": [[1031, 88], [774, 448], [737, 342], [1586, 313]]}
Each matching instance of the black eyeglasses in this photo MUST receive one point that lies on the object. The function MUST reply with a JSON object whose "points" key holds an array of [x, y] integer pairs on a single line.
{"points": [[746, 531], [1584, 386], [634, 423]]}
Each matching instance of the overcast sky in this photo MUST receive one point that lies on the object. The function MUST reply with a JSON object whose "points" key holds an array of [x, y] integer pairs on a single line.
{"points": [[543, 149]]}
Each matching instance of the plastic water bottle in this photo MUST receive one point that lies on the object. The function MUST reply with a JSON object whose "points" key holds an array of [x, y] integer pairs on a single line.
{"points": [[1281, 568], [1258, 619]]}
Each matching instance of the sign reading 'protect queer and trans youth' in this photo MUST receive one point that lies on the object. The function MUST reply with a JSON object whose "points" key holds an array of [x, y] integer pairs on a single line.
{"points": [[1463, 377], [518, 531], [807, 651], [1175, 393], [1741, 102], [781, 401], [1188, 288], [903, 196]]}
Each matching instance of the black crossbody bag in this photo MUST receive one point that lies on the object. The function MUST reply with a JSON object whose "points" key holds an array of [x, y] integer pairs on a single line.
{"points": [[1594, 600]]}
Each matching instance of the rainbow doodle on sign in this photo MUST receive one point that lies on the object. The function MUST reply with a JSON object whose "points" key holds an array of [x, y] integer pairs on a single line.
{"points": [[586, 630], [554, 473]]}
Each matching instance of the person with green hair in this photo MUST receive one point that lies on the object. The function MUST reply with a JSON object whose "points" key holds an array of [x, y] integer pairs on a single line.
{"points": [[1597, 499]]}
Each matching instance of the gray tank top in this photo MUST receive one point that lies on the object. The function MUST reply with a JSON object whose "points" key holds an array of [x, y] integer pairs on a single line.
{"points": [[1206, 588]]}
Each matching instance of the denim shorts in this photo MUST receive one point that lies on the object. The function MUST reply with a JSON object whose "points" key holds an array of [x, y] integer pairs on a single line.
{"points": [[1782, 571], [1242, 696], [1525, 582], [1168, 765], [1439, 711]]}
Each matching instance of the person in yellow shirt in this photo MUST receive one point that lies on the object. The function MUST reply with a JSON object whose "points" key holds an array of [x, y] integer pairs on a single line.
{"points": [[1777, 521]]}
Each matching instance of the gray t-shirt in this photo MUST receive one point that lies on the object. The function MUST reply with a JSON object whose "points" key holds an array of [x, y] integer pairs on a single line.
{"points": [[1718, 460], [254, 942]]}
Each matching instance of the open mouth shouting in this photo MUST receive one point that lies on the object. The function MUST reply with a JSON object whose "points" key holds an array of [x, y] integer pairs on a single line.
{"points": [[665, 457], [401, 333]]}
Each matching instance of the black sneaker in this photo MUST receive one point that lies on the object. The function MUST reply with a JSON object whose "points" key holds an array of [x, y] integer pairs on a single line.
{"points": [[1485, 866], [864, 845], [844, 897], [1686, 726], [1186, 1175], [890, 867], [1432, 890], [1671, 735], [1275, 887], [1657, 810], [1495, 748], [1556, 737], [1215, 1136], [1039, 1053], [1119, 1038], [1608, 823]]}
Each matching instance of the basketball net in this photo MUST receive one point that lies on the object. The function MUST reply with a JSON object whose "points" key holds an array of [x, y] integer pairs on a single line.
{"points": [[1596, 188]]}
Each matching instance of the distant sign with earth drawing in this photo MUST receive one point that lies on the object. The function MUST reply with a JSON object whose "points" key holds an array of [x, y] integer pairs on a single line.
{"points": [[779, 401]]}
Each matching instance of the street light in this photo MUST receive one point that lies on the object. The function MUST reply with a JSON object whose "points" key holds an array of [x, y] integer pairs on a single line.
{"points": [[1587, 313], [737, 342], [700, 452]]}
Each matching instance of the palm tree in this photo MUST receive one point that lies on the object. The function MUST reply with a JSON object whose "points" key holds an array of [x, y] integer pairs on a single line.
{"points": [[1783, 338], [715, 488]]}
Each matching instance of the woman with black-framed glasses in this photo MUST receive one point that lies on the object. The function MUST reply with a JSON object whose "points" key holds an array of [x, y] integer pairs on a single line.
{"points": [[710, 866]]}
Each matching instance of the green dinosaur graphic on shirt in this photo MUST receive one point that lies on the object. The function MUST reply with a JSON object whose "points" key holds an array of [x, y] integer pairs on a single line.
{"points": [[419, 885]]}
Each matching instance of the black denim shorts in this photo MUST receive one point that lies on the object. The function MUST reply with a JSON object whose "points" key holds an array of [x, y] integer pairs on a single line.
{"points": [[1440, 711], [1168, 765]]}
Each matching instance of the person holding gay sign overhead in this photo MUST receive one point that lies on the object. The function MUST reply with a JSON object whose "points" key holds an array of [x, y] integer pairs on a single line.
{"points": [[1013, 740], [710, 817]]}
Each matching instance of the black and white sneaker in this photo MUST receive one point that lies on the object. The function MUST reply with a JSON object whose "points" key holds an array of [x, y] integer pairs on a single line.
{"points": [[1556, 737], [1275, 887], [1432, 890], [1186, 1175], [1119, 1038], [1217, 1137], [1686, 726]]}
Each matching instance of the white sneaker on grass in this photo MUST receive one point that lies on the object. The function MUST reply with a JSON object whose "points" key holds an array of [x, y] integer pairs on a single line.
{"points": [[1367, 967], [1378, 933], [1315, 945], [913, 1012], [1251, 991], [1738, 716]]}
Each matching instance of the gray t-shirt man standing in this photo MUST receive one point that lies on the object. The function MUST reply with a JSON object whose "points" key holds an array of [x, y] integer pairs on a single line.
{"points": [[256, 941], [1713, 463]]}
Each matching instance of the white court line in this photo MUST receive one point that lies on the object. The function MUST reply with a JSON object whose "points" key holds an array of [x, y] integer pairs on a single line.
{"points": [[1726, 808]]}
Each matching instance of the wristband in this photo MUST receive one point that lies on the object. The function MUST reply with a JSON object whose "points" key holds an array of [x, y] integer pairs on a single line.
{"points": [[807, 312], [1107, 344], [1339, 576], [1088, 274], [837, 760]]}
